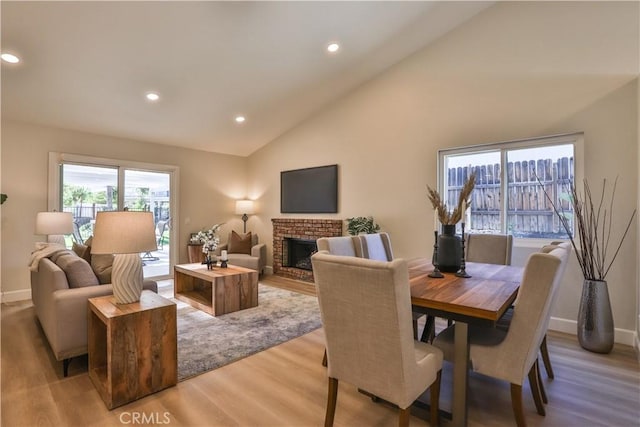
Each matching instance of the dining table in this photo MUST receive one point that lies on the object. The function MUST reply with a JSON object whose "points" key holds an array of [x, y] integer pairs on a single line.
{"points": [[480, 299]]}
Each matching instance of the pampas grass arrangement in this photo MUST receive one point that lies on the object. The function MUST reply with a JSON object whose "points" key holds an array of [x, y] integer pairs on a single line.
{"points": [[593, 223], [451, 218]]}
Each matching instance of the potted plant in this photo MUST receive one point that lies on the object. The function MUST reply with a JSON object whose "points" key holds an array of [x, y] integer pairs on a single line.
{"points": [[593, 221], [362, 225]]}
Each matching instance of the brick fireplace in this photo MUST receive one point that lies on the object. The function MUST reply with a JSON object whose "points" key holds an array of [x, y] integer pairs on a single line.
{"points": [[301, 229]]}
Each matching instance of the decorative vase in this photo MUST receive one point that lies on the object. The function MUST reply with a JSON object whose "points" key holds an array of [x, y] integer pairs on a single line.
{"points": [[595, 320], [449, 249]]}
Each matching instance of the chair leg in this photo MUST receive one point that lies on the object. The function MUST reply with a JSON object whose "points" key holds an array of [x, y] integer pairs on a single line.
{"points": [[332, 397], [429, 331], [545, 358], [324, 358], [65, 367], [535, 389], [415, 329], [404, 416], [543, 392], [435, 401], [516, 404]]}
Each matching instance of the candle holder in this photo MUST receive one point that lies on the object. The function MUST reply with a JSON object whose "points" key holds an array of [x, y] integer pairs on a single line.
{"points": [[462, 272], [223, 263], [434, 259]]}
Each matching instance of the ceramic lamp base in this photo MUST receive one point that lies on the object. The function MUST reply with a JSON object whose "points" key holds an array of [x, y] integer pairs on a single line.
{"points": [[126, 278]]}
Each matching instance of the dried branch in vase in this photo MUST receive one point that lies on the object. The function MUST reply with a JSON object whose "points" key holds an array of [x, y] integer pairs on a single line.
{"points": [[593, 223], [464, 202]]}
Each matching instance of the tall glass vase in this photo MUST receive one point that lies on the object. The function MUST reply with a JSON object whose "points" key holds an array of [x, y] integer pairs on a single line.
{"points": [[449, 249], [595, 320]]}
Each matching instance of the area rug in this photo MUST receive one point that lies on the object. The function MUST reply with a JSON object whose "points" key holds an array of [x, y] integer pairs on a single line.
{"points": [[206, 342]]}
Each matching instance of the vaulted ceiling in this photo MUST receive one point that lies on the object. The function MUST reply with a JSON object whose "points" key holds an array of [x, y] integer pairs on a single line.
{"points": [[87, 66]]}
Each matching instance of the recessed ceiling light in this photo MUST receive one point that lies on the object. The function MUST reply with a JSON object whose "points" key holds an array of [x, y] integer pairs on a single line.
{"points": [[12, 59], [333, 47], [152, 96], [240, 119]]}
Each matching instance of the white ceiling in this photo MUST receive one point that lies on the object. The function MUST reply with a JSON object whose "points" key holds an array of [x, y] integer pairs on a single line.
{"points": [[87, 65]]}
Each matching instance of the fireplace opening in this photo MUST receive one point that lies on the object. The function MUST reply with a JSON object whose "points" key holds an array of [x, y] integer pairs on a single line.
{"points": [[297, 253]]}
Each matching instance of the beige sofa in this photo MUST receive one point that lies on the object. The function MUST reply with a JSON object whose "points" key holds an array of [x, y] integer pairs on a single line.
{"points": [[62, 310]]}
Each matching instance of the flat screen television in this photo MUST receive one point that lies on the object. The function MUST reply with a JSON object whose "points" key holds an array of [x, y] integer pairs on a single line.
{"points": [[310, 190]]}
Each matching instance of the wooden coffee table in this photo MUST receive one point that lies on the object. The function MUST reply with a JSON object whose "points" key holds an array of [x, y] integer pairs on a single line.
{"points": [[218, 291]]}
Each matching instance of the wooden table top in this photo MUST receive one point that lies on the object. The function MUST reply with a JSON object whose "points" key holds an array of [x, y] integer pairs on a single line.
{"points": [[483, 298], [200, 270]]}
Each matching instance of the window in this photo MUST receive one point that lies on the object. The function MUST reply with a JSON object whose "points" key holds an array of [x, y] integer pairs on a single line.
{"points": [[507, 197], [86, 185]]}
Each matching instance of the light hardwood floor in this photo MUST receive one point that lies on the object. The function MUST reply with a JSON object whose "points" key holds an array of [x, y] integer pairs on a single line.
{"points": [[286, 386]]}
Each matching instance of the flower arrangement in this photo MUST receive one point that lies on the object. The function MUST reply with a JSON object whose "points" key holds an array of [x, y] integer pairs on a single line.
{"points": [[593, 222], [444, 215], [209, 238]]}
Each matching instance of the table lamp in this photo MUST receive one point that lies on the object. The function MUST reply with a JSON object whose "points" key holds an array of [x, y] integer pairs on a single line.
{"points": [[54, 225], [126, 235], [244, 208]]}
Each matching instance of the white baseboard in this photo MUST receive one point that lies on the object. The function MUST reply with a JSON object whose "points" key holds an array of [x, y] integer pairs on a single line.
{"points": [[622, 336], [268, 269], [13, 296]]}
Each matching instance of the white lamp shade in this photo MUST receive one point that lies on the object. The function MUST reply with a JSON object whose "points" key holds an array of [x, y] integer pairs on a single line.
{"points": [[244, 207], [123, 233], [54, 223]]}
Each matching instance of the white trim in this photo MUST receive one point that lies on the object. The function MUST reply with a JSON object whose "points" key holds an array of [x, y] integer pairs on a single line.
{"points": [[268, 270], [622, 336], [14, 296], [575, 139]]}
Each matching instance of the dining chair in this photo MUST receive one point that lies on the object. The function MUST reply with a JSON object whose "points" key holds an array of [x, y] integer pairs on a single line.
{"points": [[341, 245], [377, 246], [512, 355], [365, 307], [505, 321], [489, 248]]}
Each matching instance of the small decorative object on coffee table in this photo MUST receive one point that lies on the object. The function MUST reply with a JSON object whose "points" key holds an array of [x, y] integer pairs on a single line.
{"points": [[223, 259]]}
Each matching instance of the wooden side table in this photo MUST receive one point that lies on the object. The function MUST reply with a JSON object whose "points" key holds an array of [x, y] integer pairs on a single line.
{"points": [[132, 347]]}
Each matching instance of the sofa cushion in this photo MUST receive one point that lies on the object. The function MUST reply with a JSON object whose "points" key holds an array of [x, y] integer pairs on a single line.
{"points": [[78, 271], [54, 257], [83, 251], [240, 244], [102, 265]]}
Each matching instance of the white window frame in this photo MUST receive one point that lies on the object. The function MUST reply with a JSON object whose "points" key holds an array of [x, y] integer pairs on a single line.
{"points": [[576, 139], [56, 159]]}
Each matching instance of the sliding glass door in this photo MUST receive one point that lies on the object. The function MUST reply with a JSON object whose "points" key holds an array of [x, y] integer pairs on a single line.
{"points": [[84, 189]]}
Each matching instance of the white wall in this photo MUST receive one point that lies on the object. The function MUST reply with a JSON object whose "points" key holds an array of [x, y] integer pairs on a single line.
{"points": [[516, 70], [209, 184]]}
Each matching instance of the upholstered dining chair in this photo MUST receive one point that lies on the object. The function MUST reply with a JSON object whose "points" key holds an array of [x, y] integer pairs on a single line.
{"points": [[505, 321], [489, 248], [512, 355], [341, 245], [365, 307], [378, 246]]}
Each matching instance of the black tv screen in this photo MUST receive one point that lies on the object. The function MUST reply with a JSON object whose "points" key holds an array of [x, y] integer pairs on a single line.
{"points": [[311, 190]]}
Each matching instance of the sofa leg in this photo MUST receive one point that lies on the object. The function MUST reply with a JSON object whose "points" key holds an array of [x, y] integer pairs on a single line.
{"points": [[65, 366]]}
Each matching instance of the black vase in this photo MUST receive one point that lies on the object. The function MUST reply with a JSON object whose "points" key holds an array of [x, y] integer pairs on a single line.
{"points": [[449, 249]]}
